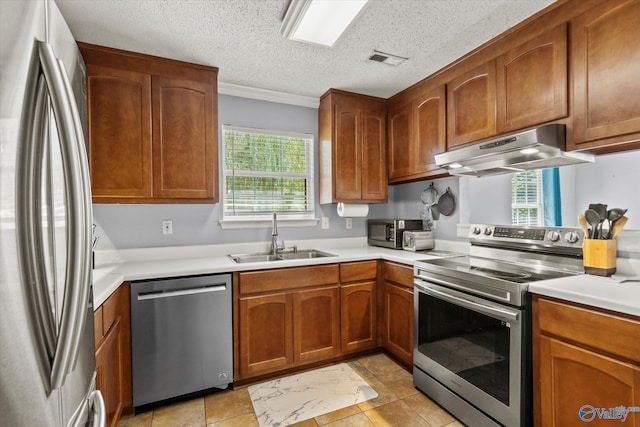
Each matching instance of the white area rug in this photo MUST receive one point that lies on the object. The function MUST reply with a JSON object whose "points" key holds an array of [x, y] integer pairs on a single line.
{"points": [[289, 400]]}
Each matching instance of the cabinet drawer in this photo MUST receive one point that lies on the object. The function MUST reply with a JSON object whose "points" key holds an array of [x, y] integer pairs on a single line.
{"points": [[288, 278], [600, 330], [398, 274], [358, 271]]}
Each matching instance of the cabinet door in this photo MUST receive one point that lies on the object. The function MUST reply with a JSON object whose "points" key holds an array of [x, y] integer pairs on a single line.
{"points": [[265, 334], [471, 105], [109, 373], [605, 70], [430, 131], [397, 334], [572, 377], [358, 316], [532, 81], [347, 152], [119, 114], [400, 142], [316, 324], [374, 156], [184, 139]]}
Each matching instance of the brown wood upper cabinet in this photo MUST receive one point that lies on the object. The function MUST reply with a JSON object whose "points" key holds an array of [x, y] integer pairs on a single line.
{"points": [[152, 128], [471, 105], [353, 160], [605, 69], [532, 81], [417, 132]]}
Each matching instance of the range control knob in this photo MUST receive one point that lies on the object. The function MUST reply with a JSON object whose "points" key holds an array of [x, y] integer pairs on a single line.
{"points": [[571, 237], [487, 231], [554, 236], [475, 230]]}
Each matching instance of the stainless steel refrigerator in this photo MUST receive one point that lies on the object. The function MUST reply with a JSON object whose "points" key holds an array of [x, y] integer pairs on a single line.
{"points": [[47, 359]]}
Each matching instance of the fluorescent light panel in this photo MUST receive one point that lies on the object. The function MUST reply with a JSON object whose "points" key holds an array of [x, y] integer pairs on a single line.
{"points": [[319, 21]]}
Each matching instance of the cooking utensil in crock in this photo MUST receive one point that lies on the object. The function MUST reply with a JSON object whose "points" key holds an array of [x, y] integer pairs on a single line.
{"points": [[447, 203], [618, 227], [613, 215], [601, 209], [583, 224], [593, 218]]}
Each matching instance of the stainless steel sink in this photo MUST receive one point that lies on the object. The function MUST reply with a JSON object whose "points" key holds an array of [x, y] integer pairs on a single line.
{"points": [[281, 256], [304, 254]]}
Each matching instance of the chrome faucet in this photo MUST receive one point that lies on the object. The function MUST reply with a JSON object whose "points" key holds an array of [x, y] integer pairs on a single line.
{"points": [[274, 235]]}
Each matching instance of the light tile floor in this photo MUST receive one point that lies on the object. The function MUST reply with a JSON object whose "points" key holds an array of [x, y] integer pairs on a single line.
{"points": [[398, 404]]}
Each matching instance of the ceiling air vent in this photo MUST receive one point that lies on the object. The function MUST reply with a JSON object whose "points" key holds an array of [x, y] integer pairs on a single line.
{"points": [[387, 58]]}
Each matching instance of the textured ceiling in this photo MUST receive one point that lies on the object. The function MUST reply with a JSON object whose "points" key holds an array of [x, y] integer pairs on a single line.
{"points": [[242, 38]]}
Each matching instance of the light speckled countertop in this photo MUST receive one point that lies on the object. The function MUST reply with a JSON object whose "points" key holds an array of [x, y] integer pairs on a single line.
{"points": [[114, 267]]}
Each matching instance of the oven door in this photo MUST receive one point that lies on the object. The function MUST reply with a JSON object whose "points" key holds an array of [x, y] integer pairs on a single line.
{"points": [[474, 347]]}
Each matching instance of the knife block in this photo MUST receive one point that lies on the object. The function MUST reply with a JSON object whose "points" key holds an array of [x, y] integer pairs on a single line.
{"points": [[599, 257]]}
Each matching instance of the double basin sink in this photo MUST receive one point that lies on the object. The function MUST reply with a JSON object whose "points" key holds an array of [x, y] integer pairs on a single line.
{"points": [[280, 256]]}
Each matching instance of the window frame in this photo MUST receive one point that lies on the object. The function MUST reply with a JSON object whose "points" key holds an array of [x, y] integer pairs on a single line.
{"points": [[242, 219]]}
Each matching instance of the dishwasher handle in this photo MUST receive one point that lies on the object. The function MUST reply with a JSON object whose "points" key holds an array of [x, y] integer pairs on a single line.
{"points": [[182, 292]]}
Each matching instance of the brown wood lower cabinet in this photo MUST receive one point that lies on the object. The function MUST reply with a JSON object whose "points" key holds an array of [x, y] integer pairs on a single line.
{"points": [[266, 329], [358, 305], [286, 317], [586, 361], [397, 323], [291, 317], [316, 329], [112, 328], [358, 316]]}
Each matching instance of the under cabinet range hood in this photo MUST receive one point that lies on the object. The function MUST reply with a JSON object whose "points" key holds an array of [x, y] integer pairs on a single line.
{"points": [[538, 148]]}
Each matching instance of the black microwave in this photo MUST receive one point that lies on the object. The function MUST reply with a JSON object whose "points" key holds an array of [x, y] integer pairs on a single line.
{"points": [[388, 232]]}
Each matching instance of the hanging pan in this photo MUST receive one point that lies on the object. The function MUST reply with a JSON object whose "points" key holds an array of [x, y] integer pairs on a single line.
{"points": [[447, 203], [430, 199]]}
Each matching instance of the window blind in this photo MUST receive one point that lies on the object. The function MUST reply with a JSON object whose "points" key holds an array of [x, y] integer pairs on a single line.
{"points": [[527, 198], [267, 171]]}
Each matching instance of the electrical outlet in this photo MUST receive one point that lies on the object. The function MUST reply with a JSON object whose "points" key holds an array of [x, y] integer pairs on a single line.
{"points": [[349, 223], [167, 227], [325, 222]]}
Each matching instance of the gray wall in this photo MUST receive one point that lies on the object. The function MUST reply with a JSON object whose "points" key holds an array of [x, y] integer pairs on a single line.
{"points": [[138, 226], [613, 179]]}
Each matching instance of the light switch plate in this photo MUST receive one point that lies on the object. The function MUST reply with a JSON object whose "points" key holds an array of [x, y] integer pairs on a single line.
{"points": [[325, 222], [349, 223]]}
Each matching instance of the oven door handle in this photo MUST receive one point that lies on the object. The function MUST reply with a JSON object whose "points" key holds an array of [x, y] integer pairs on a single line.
{"points": [[496, 312]]}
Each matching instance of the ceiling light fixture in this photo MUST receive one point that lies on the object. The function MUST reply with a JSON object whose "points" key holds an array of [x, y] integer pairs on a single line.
{"points": [[319, 21]]}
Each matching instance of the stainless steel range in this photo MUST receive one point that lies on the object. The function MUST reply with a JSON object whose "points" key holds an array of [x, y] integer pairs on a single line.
{"points": [[472, 342]]}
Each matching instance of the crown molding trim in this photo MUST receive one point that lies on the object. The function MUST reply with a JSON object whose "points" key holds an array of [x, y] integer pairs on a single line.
{"points": [[267, 95]]}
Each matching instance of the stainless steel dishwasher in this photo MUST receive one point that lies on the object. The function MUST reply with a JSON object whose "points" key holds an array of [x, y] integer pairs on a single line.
{"points": [[181, 336]]}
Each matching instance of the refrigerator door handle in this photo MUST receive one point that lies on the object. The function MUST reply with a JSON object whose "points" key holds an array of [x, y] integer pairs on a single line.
{"points": [[86, 236], [99, 411], [77, 285], [28, 229]]}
